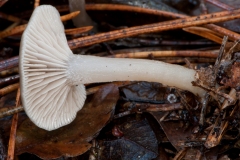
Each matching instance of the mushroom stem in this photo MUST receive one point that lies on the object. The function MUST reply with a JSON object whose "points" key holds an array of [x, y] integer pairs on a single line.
{"points": [[99, 69]]}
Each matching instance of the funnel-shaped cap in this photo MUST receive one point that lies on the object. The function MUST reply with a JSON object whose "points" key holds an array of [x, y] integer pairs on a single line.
{"points": [[48, 98]]}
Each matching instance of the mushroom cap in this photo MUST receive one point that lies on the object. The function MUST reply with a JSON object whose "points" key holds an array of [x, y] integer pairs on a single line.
{"points": [[49, 100]]}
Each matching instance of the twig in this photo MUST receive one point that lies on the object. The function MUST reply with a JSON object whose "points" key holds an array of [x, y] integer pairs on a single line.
{"points": [[203, 109], [7, 111], [2, 2], [8, 89], [224, 95], [156, 27], [181, 60], [180, 154], [36, 3], [9, 80], [226, 103], [78, 30], [121, 7], [216, 134], [203, 7], [12, 26], [157, 107], [21, 28], [9, 63], [220, 4], [203, 32], [11, 18], [11, 144], [232, 35], [4, 73], [146, 54]]}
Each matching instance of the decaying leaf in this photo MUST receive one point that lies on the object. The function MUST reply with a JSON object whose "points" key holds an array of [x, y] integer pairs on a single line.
{"points": [[137, 143], [178, 135], [147, 92], [70, 140], [234, 80]]}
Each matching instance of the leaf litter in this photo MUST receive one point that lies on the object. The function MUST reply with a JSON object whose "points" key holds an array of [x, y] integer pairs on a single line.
{"points": [[186, 128], [73, 139]]}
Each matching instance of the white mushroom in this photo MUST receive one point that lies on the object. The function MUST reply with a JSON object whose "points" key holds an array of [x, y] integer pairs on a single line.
{"points": [[82, 19], [53, 78]]}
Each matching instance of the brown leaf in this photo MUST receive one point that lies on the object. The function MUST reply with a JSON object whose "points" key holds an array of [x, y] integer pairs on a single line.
{"points": [[147, 92], [137, 143], [234, 80], [70, 140], [177, 135]]}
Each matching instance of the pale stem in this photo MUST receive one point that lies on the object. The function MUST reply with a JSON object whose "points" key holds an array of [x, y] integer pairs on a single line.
{"points": [[90, 69]]}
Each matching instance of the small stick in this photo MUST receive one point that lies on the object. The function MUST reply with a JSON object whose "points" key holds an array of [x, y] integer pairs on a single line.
{"points": [[155, 107], [216, 134], [164, 116], [224, 95], [8, 89], [36, 3], [2, 2], [69, 16], [232, 35], [11, 18], [9, 63], [226, 103], [121, 7], [12, 26], [21, 28], [11, 144], [203, 109], [180, 154], [156, 27], [9, 80], [78, 30], [203, 32], [8, 72], [176, 60], [203, 7], [146, 54], [15, 30], [220, 4], [7, 111], [122, 114]]}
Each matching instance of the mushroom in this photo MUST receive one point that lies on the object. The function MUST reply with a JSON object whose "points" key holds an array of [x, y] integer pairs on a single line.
{"points": [[53, 78], [82, 19]]}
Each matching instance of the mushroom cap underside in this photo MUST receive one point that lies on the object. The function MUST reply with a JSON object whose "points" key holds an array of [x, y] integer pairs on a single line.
{"points": [[47, 97]]}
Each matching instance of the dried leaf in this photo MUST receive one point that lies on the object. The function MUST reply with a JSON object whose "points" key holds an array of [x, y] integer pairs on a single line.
{"points": [[138, 143], [234, 80], [70, 140], [179, 136], [147, 92]]}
